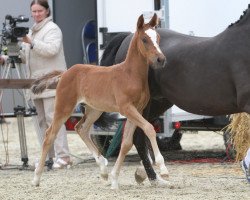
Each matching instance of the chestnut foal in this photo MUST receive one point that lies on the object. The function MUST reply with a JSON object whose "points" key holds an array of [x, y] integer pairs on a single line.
{"points": [[119, 88]]}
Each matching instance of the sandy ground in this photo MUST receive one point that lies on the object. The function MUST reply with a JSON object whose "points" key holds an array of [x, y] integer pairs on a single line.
{"points": [[82, 181]]}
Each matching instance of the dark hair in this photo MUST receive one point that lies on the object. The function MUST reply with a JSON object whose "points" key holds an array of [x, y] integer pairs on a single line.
{"points": [[43, 3]]}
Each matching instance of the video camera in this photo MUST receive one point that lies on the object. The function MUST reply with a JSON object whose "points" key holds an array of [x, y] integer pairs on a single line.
{"points": [[11, 33]]}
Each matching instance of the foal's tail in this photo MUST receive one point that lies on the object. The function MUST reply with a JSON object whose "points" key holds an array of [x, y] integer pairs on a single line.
{"points": [[47, 81]]}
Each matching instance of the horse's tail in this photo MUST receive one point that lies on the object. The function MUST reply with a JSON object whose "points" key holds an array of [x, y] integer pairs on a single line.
{"points": [[106, 120], [108, 57], [47, 81], [239, 128]]}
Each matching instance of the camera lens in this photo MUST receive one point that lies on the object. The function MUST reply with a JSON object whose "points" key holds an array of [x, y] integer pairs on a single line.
{"points": [[20, 31]]}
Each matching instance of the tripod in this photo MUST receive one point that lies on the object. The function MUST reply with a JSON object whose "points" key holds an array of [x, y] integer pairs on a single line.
{"points": [[19, 111]]}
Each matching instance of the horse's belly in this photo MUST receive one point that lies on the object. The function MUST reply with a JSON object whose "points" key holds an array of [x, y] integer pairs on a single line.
{"points": [[207, 106], [205, 100], [101, 104]]}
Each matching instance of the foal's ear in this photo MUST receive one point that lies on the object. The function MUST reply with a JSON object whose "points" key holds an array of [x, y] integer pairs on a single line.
{"points": [[154, 21], [140, 22]]}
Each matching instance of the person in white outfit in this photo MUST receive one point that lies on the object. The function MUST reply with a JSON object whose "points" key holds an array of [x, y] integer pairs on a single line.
{"points": [[42, 52], [245, 164]]}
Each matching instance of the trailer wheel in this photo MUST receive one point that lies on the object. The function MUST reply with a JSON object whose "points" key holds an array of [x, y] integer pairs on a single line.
{"points": [[230, 151], [172, 143]]}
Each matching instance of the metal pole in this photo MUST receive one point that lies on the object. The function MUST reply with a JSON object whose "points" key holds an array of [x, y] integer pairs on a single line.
{"points": [[165, 7]]}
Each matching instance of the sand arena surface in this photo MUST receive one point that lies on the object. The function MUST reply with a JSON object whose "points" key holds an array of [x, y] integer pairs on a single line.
{"points": [[82, 181]]}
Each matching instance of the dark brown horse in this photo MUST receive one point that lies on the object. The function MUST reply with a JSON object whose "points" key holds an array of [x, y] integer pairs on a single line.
{"points": [[119, 88], [203, 75]]}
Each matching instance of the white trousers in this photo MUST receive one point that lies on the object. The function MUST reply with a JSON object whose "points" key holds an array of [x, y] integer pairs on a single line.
{"points": [[247, 158], [45, 114]]}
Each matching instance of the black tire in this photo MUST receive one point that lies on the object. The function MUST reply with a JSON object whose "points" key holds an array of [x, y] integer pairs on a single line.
{"points": [[230, 151], [172, 143]]}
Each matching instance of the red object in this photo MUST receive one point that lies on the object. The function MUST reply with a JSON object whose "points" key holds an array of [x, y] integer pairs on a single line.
{"points": [[157, 126], [177, 125], [70, 123]]}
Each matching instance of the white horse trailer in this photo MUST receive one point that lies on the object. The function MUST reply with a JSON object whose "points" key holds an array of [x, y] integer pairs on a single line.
{"points": [[201, 18], [113, 17]]}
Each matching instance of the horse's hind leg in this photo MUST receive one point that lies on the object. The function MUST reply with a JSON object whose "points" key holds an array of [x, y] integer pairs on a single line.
{"points": [[127, 143], [82, 128]]}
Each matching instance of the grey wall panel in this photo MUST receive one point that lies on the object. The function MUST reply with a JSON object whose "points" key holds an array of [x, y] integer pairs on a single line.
{"points": [[12, 98], [71, 17]]}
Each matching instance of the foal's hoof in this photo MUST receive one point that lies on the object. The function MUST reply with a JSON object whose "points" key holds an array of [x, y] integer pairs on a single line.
{"points": [[35, 183], [36, 179], [105, 176], [140, 175], [104, 173], [103, 163], [115, 186]]}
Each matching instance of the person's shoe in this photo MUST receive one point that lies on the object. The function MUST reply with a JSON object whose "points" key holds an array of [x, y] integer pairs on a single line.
{"points": [[48, 163], [62, 163], [246, 170]]}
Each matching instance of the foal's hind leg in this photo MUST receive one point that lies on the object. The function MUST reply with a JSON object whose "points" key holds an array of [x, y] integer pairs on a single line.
{"points": [[132, 114], [64, 105], [82, 128], [50, 136]]}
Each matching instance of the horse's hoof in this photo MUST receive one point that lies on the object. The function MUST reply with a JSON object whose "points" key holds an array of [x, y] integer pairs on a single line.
{"points": [[140, 175], [165, 176], [160, 182]]}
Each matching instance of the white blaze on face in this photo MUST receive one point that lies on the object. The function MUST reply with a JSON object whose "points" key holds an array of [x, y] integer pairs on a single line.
{"points": [[153, 36]]}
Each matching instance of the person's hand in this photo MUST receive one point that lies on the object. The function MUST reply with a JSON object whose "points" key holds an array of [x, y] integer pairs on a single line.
{"points": [[26, 39]]}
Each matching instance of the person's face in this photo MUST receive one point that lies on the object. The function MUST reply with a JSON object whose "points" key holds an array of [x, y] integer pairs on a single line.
{"points": [[39, 13]]}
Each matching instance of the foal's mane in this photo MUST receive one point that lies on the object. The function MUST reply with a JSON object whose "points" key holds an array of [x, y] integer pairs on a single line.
{"points": [[241, 17]]}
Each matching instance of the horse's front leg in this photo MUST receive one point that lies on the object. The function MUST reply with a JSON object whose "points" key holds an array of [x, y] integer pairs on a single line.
{"points": [[132, 114], [82, 128], [139, 141], [127, 143]]}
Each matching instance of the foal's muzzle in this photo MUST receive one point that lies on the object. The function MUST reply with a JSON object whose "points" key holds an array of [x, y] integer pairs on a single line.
{"points": [[159, 62]]}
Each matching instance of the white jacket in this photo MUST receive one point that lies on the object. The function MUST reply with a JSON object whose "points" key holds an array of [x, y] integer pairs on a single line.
{"points": [[47, 53]]}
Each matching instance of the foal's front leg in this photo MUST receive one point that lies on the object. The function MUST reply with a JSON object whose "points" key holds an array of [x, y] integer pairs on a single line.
{"points": [[132, 114], [82, 128], [127, 143]]}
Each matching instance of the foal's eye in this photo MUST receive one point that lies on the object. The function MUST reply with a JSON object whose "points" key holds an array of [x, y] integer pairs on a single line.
{"points": [[144, 40]]}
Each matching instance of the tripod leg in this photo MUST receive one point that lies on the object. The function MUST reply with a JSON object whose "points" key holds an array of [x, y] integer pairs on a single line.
{"points": [[31, 107], [20, 112], [4, 75]]}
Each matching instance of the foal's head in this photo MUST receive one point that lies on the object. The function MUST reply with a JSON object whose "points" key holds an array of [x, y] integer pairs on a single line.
{"points": [[148, 42]]}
